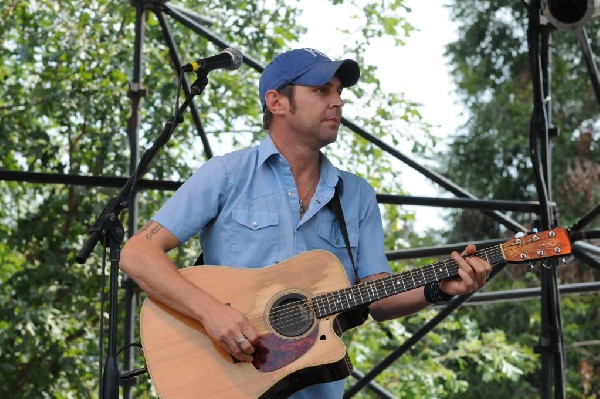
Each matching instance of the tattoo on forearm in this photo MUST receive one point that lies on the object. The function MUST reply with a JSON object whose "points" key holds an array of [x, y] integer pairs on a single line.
{"points": [[149, 229], [144, 228]]}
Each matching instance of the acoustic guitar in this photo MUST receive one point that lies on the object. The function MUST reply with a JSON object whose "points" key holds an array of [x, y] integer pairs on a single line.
{"points": [[300, 308]]}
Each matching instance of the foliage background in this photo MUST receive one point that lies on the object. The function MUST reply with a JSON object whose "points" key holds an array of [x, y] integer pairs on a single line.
{"points": [[64, 109]]}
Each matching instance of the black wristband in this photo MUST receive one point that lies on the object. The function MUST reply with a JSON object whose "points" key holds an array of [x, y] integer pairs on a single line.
{"points": [[433, 293]]}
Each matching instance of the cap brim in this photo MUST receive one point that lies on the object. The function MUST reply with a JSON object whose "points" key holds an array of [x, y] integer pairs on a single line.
{"points": [[347, 71]]}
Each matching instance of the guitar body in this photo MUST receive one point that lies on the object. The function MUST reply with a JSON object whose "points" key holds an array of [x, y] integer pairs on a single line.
{"points": [[184, 363]]}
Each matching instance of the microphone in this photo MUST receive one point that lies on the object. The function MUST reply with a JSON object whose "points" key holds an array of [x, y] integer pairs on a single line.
{"points": [[230, 58]]}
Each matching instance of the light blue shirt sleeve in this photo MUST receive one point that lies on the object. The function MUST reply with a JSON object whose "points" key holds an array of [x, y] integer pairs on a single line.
{"points": [[196, 202]]}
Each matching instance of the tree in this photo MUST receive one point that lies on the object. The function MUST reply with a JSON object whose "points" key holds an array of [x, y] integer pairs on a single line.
{"points": [[490, 157]]}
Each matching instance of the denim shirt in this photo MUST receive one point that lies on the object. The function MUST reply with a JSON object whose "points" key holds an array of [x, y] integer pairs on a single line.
{"points": [[245, 206]]}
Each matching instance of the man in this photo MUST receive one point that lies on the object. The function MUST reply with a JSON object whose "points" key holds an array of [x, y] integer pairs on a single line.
{"points": [[265, 204]]}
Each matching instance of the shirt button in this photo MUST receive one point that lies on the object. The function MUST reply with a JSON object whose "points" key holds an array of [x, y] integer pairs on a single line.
{"points": [[254, 224], [318, 201], [290, 193], [337, 241]]}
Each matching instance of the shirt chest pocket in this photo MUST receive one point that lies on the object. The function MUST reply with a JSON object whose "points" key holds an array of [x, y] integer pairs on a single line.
{"points": [[255, 219], [254, 236], [333, 241], [331, 233]]}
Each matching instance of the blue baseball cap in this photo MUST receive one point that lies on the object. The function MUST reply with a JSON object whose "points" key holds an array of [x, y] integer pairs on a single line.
{"points": [[306, 67]]}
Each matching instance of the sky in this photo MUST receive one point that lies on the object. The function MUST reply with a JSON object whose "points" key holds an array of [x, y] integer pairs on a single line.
{"points": [[418, 69]]}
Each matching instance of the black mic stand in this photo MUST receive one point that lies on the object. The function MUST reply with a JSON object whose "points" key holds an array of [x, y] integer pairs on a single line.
{"points": [[108, 229]]}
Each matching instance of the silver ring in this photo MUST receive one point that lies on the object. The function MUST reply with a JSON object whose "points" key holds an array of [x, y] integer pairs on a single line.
{"points": [[239, 342]]}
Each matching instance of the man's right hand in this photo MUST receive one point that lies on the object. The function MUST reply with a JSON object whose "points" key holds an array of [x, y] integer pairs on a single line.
{"points": [[230, 329]]}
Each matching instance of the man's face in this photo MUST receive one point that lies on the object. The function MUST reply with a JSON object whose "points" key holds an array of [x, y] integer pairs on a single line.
{"points": [[315, 113]]}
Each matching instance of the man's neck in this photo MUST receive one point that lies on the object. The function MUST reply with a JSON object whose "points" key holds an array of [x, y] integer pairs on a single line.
{"points": [[304, 161]]}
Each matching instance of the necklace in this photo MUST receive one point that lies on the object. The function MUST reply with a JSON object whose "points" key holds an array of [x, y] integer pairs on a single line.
{"points": [[301, 200]]}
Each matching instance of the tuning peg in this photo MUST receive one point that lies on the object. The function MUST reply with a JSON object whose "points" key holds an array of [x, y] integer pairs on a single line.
{"points": [[529, 267], [546, 265], [564, 261]]}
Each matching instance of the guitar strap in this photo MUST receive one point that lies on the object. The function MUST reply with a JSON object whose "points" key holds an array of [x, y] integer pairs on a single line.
{"points": [[339, 215], [355, 317]]}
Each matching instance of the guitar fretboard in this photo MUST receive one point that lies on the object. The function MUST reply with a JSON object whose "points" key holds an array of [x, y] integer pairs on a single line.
{"points": [[371, 291]]}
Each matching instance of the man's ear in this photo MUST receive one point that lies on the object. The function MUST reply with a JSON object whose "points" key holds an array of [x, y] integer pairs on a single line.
{"points": [[275, 102]]}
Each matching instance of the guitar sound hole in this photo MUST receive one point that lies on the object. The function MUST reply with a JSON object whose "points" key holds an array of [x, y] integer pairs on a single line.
{"points": [[291, 316]]}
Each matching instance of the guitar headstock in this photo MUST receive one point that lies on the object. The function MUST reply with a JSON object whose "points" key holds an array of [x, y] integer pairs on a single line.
{"points": [[532, 247]]}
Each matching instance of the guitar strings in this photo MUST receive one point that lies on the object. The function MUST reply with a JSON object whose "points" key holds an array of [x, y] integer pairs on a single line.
{"points": [[287, 314]]}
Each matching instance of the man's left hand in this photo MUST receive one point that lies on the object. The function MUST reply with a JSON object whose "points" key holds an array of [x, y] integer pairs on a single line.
{"points": [[473, 273]]}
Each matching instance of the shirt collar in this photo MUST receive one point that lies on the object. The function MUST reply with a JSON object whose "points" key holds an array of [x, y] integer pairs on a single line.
{"points": [[266, 149], [329, 173]]}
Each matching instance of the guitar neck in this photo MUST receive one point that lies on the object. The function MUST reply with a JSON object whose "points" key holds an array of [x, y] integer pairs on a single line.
{"points": [[371, 291]]}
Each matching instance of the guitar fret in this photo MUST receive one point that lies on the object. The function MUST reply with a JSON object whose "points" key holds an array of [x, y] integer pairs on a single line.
{"points": [[323, 306], [348, 297], [326, 306], [356, 295], [360, 293], [385, 290], [335, 302], [338, 302], [315, 305], [369, 292], [331, 302], [435, 269]]}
